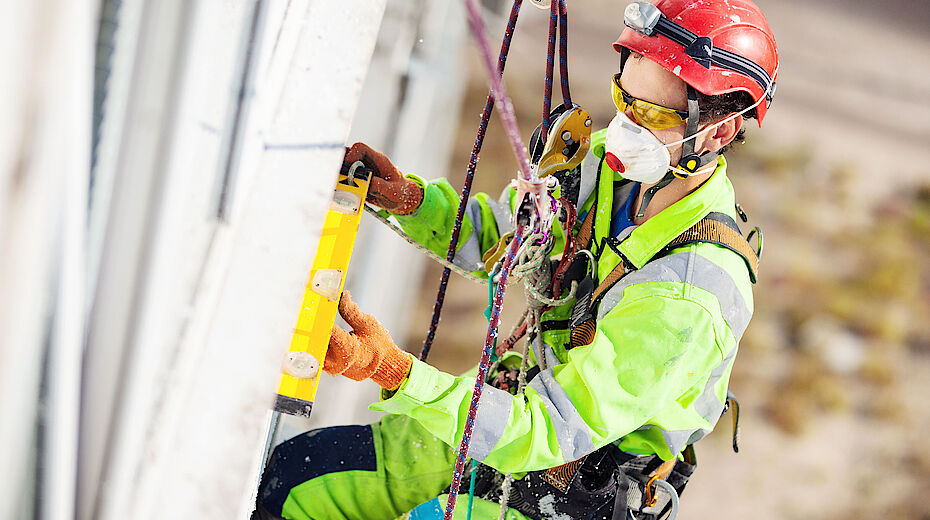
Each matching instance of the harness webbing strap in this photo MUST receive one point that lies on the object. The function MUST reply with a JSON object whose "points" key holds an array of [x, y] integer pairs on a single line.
{"points": [[716, 229], [583, 238], [609, 280], [665, 469]]}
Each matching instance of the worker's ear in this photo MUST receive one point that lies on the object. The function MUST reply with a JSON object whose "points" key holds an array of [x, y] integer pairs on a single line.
{"points": [[722, 135]]}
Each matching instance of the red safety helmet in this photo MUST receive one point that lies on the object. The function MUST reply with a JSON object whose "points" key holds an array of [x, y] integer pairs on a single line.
{"points": [[716, 46]]}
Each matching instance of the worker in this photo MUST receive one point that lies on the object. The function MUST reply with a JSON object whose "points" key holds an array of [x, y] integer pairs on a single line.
{"points": [[602, 419]]}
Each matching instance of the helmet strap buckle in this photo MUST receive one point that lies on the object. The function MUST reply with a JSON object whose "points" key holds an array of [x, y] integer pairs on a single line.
{"points": [[690, 161]]}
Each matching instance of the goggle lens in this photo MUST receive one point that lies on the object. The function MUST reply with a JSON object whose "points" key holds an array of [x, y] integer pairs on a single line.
{"points": [[650, 115]]}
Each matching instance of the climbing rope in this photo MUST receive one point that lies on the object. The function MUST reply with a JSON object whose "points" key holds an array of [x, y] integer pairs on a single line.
{"points": [[528, 268], [469, 177], [563, 53], [508, 478], [493, 324], [530, 189], [533, 216], [558, 22]]}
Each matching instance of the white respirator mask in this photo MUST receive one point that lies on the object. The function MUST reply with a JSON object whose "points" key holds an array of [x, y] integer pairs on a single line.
{"points": [[634, 152]]}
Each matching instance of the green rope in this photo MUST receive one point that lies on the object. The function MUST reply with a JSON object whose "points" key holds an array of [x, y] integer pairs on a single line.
{"points": [[403, 234], [471, 488]]}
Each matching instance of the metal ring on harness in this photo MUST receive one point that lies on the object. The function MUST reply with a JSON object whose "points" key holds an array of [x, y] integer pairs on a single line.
{"points": [[590, 256], [752, 232], [589, 253], [591, 261]]}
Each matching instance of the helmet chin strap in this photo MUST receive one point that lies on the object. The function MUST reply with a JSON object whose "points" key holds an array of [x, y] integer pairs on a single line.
{"points": [[690, 162]]}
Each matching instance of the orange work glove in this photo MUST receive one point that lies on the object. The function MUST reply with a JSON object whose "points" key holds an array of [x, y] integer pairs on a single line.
{"points": [[367, 351], [389, 188]]}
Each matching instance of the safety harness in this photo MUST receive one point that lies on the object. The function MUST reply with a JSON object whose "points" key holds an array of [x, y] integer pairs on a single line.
{"points": [[609, 483]]}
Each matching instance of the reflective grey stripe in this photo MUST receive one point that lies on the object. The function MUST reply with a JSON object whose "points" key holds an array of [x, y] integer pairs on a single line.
{"points": [[468, 255], [707, 405], [672, 268], [491, 421], [572, 432], [588, 177], [501, 211], [550, 357], [696, 270], [677, 440]]}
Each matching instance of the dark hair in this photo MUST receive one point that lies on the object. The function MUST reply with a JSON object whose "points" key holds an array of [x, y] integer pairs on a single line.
{"points": [[714, 108]]}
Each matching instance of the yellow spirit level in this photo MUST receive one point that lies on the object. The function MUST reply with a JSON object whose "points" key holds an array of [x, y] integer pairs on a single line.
{"points": [[304, 360]]}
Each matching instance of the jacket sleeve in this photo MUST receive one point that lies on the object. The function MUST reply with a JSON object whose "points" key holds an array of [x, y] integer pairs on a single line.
{"points": [[652, 353], [431, 224]]}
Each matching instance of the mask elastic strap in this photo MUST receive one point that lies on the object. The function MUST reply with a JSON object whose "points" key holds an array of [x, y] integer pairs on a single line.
{"points": [[718, 123]]}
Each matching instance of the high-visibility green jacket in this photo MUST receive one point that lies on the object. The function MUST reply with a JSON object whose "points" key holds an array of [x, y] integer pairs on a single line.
{"points": [[654, 379]]}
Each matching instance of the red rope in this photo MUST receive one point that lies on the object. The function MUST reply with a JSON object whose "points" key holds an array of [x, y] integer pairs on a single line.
{"points": [[466, 188]]}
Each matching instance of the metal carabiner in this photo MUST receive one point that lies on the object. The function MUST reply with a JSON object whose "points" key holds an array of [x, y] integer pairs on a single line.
{"points": [[652, 498], [591, 261], [673, 494]]}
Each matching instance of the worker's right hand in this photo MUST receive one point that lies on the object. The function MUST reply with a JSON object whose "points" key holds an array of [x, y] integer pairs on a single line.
{"points": [[366, 352], [389, 188]]}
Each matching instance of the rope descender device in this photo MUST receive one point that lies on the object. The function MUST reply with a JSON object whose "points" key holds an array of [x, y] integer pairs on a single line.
{"points": [[567, 143], [565, 146], [303, 361]]}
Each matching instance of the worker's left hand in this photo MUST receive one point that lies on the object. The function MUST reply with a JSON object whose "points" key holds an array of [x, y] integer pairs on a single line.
{"points": [[389, 188], [366, 352]]}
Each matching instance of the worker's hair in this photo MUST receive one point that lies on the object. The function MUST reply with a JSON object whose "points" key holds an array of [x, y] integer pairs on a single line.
{"points": [[715, 108]]}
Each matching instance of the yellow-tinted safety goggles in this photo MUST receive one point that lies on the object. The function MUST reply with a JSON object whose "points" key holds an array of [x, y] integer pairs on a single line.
{"points": [[650, 115]]}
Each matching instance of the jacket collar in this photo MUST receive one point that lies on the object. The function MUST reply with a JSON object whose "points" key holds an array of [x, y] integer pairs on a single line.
{"points": [[646, 240]]}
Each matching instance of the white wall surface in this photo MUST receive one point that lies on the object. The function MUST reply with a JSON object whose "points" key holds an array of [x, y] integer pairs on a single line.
{"points": [[248, 103], [46, 49]]}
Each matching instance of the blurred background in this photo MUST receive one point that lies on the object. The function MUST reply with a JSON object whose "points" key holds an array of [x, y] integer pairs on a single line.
{"points": [[145, 301]]}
